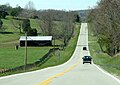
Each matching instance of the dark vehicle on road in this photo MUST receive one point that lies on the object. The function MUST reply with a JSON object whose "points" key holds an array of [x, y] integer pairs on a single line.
{"points": [[87, 59], [84, 48]]}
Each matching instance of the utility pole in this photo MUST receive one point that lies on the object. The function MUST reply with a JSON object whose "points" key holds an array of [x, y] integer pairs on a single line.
{"points": [[54, 44], [25, 61], [59, 56]]}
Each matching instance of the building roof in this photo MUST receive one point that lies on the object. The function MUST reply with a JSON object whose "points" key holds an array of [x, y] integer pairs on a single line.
{"points": [[36, 38]]}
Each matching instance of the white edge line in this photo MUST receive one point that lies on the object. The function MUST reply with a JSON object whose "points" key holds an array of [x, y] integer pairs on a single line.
{"points": [[19, 74], [25, 73], [107, 73]]}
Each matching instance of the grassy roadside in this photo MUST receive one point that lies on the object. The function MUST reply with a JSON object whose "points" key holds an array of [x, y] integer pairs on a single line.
{"points": [[16, 57], [61, 57], [35, 53], [10, 58], [110, 64]]}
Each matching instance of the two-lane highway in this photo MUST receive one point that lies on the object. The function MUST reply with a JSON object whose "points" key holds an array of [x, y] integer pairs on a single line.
{"points": [[72, 72]]}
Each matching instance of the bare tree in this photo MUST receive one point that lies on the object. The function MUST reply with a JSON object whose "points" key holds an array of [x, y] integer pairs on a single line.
{"points": [[46, 23], [60, 28], [106, 23], [67, 28], [29, 10]]}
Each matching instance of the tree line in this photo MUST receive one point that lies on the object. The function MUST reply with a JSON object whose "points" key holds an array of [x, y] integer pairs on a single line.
{"points": [[105, 20], [56, 23]]}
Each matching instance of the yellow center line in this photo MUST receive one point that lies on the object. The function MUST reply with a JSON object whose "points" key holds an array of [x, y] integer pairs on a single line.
{"points": [[49, 80]]}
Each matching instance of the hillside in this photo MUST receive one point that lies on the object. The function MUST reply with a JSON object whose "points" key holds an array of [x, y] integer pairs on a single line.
{"points": [[84, 14], [10, 38]]}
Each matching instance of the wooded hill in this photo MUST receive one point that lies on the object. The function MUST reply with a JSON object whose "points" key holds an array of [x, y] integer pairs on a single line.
{"points": [[56, 23]]}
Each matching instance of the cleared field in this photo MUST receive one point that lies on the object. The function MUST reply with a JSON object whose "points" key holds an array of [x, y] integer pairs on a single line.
{"points": [[10, 58], [9, 38]]}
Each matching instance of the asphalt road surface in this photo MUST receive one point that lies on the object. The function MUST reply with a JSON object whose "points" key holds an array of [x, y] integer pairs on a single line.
{"points": [[72, 72]]}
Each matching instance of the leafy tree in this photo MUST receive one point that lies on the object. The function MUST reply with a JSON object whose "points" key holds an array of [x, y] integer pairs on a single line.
{"points": [[77, 18], [1, 23], [32, 32], [27, 28], [15, 11], [3, 14], [26, 25]]}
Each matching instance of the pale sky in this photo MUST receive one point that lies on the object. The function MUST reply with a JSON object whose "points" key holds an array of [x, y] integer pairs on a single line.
{"points": [[54, 4]]}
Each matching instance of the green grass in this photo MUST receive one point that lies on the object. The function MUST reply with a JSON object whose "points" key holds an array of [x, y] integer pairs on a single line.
{"points": [[64, 55], [10, 58], [35, 24], [9, 27], [14, 34], [9, 37], [110, 64]]}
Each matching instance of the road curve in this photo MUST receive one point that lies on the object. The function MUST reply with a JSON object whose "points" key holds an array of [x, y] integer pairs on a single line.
{"points": [[72, 72]]}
